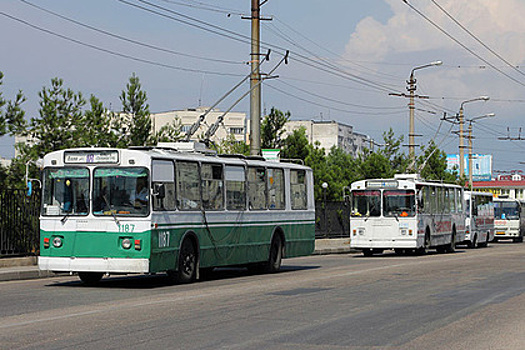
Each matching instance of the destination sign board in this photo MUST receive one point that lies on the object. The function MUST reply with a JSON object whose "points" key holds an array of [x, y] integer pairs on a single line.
{"points": [[95, 157]]}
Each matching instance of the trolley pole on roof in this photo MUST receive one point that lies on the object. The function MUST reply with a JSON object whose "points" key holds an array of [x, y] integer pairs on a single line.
{"points": [[255, 94]]}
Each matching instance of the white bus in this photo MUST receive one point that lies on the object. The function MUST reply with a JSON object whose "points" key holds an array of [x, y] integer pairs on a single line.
{"points": [[406, 214], [509, 219], [171, 208], [480, 219]]}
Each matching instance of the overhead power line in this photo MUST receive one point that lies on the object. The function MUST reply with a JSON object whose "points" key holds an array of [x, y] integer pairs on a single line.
{"points": [[136, 42], [115, 53], [461, 44], [477, 39]]}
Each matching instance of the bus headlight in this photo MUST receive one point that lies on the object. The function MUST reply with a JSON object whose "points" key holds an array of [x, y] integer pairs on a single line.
{"points": [[361, 231], [57, 242], [126, 243]]}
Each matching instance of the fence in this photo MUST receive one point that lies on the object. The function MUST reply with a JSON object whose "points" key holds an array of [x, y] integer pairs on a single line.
{"points": [[332, 220], [19, 231]]}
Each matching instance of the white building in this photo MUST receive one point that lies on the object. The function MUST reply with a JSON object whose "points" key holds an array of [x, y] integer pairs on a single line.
{"points": [[331, 133], [234, 123], [5, 162]]}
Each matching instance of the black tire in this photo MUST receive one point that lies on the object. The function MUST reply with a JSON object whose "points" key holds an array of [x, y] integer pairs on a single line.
{"points": [[90, 278], [486, 243], [518, 240], [399, 251], [187, 267], [426, 245], [368, 252], [474, 242], [276, 254], [451, 247]]}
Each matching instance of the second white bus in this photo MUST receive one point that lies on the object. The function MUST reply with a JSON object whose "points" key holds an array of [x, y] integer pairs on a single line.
{"points": [[406, 214], [480, 219]]}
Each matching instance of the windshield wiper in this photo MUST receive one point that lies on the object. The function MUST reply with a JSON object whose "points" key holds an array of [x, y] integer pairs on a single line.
{"points": [[111, 211], [64, 219]]}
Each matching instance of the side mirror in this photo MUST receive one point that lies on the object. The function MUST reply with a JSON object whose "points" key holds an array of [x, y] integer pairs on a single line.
{"points": [[159, 190]]}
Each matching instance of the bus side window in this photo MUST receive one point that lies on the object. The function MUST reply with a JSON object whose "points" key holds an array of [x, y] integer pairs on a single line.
{"points": [[212, 186], [257, 188], [276, 188], [188, 185], [298, 193], [163, 185], [235, 187]]}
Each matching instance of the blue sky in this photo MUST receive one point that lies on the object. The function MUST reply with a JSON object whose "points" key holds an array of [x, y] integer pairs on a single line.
{"points": [[375, 42]]}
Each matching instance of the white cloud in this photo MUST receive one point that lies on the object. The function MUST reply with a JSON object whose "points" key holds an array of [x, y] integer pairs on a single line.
{"points": [[497, 23]]}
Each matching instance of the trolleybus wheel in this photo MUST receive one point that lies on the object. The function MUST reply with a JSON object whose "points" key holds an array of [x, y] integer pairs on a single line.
{"points": [[368, 252], [187, 263], [276, 254], [473, 242], [451, 247], [90, 278], [486, 243]]}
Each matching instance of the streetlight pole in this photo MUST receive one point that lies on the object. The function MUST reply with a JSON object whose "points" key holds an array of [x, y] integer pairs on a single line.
{"points": [[461, 130], [470, 145], [411, 88]]}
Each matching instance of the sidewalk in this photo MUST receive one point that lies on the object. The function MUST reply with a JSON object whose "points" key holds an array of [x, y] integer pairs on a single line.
{"points": [[26, 268]]}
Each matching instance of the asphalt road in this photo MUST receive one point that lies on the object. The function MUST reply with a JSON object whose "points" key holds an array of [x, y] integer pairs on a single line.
{"points": [[472, 299]]}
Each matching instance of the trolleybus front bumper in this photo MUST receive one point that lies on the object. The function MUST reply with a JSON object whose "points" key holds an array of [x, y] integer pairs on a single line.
{"points": [[105, 265]]}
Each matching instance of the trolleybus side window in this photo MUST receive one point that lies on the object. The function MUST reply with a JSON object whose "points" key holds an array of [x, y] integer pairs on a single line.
{"points": [[66, 191], [257, 188], [298, 193], [212, 186], [188, 186], [366, 203], [121, 191], [276, 188], [235, 187], [163, 175]]}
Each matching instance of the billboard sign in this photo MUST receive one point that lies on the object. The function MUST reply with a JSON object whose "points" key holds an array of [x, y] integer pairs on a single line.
{"points": [[481, 166]]}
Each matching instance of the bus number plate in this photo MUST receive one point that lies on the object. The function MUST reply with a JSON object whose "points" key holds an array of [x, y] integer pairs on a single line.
{"points": [[164, 239]]}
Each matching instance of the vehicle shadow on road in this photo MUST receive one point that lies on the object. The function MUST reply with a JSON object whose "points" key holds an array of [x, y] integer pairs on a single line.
{"points": [[162, 281], [410, 255]]}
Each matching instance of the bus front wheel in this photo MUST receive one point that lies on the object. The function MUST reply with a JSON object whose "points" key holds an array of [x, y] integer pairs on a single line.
{"points": [[90, 278], [187, 267]]}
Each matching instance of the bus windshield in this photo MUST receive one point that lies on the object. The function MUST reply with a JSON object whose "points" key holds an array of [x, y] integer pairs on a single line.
{"points": [[66, 191], [366, 203], [506, 210], [121, 191], [399, 203]]}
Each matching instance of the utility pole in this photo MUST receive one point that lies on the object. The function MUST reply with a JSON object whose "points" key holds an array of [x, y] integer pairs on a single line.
{"points": [[255, 95], [461, 119], [411, 133]]}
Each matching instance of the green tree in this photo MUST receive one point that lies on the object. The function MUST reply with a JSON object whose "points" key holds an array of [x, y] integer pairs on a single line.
{"points": [[341, 172], [134, 123], [59, 125], [272, 128], [96, 125], [432, 164], [295, 146], [11, 114], [231, 146], [374, 166], [392, 151]]}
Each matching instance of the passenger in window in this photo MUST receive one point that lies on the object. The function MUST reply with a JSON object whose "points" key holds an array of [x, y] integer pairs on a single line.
{"points": [[141, 196]]}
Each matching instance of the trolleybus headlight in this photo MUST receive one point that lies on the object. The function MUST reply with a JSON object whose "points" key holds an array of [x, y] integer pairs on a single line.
{"points": [[57, 242], [361, 231], [126, 243]]}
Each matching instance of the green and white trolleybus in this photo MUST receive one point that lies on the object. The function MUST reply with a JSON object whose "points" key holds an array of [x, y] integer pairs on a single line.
{"points": [[173, 208]]}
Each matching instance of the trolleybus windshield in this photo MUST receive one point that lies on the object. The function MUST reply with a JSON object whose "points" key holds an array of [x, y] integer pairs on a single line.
{"points": [[399, 203], [121, 191], [366, 203], [66, 191]]}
